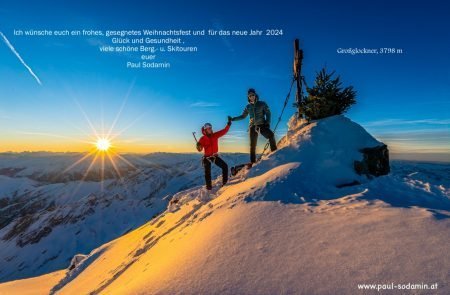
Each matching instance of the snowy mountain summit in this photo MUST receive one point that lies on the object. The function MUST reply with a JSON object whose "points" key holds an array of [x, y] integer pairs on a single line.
{"points": [[301, 221]]}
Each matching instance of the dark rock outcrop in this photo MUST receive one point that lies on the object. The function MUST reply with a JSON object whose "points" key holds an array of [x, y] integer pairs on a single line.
{"points": [[375, 161]]}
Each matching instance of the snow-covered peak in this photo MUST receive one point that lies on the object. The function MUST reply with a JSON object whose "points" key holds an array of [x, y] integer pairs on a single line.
{"points": [[283, 227], [326, 150]]}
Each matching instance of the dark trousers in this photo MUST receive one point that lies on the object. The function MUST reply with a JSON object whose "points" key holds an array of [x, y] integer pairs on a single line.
{"points": [[207, 165], [267, 133]]}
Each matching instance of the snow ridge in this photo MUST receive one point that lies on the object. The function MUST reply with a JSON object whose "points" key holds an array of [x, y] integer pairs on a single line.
{"points": [[285, 226]]}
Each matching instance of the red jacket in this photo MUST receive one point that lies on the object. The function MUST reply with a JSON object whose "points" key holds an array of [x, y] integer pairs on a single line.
{"points": [[210, 142]]}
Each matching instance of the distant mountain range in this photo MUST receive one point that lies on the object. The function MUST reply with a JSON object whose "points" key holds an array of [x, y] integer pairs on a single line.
{"points": [[49, 213]]}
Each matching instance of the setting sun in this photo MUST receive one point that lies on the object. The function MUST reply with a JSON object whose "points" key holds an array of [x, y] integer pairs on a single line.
{"points": [[103, 144]]}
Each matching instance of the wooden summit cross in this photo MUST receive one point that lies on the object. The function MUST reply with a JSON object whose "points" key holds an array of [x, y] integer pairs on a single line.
{"points": [[297, 67]]}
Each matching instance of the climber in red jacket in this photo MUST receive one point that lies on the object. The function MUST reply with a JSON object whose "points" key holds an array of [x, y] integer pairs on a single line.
{"points": [[209, 143]]}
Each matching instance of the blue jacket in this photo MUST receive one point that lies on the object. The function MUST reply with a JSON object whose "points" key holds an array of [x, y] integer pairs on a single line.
{"points": [[259, 113]]}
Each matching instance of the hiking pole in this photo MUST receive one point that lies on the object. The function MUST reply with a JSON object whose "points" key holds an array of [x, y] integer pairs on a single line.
{"points": [[193, 134]]}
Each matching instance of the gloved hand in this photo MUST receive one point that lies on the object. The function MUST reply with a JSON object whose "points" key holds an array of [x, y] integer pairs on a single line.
{"points": [[229, 120], [199, 147]]}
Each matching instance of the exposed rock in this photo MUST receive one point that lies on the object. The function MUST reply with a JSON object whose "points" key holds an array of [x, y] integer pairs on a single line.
{"points": [[375, 161], [76, 260], [4, 202], [10, 172], [19, 227], [34, 236]]}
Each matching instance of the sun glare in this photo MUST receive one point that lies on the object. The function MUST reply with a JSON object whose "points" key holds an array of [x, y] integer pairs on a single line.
{"points": [[102, 151], [103, 144]]}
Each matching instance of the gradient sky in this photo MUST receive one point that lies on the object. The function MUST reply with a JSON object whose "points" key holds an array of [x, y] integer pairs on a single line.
{"points": [[403, 100]]}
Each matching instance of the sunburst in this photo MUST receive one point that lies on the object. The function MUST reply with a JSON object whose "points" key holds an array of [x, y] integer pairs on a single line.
{"points": [[103, 144]]}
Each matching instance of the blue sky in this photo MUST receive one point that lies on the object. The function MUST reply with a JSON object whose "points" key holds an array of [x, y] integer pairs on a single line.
{"points": [[402, 99]]}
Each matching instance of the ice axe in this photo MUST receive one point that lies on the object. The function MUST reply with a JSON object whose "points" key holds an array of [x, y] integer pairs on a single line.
{"points": [[193, 134], [198, 144]]}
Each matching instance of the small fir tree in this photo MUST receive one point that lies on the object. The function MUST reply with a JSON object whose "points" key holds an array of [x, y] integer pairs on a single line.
{"points": [[327, 97]]}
